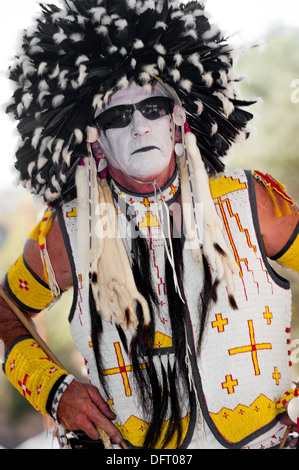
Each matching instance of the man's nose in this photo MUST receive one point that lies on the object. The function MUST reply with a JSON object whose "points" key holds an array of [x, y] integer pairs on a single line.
{"points": [[140, 125]]}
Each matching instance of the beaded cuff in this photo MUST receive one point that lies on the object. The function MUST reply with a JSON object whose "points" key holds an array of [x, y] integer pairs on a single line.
{"points": [[289, 255], [33, 373]]}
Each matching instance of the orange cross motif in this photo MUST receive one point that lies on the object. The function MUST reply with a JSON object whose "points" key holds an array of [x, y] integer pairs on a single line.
{"points": [[122, 369], [253, 348]]}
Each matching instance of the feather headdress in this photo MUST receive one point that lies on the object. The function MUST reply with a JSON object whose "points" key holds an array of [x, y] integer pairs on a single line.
{"points": [[75, 56]]}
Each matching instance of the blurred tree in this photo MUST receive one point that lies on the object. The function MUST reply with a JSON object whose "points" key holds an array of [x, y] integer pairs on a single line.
{"points": [[18, 420], [273, 71]]}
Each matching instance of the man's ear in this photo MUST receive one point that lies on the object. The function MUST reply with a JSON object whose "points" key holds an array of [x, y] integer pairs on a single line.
{"points": [[97, 150], [178, 134], [92, 134], [179, 115]]}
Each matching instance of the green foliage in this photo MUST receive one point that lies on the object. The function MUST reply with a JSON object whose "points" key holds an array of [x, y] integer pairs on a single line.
{"points": [[273, 71], [274, 77]]}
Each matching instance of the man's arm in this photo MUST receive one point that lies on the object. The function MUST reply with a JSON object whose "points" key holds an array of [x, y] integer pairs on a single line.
{"points": [[275, 231], [10, 327], [81, 407]]}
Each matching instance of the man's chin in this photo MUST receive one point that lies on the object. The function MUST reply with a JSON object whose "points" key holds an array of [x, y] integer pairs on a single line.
{"points": [[148, 176], [144, 172], [149, 168]]}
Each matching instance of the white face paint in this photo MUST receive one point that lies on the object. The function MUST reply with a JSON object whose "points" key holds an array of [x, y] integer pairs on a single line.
{"points": [[144, 149]]}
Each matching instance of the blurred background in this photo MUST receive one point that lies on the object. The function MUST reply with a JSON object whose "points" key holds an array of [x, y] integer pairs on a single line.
{"points": [[267, 33]]}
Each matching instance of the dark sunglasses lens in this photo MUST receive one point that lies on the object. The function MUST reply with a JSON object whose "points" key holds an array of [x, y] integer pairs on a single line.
{"points": [[116, 117], [121, 116], [155, 108]]}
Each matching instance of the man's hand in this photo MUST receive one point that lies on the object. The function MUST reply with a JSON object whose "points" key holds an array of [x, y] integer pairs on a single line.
{"points": [[82, 408]]}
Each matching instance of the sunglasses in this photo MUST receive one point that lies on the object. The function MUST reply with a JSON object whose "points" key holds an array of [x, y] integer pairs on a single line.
{"points": [[121, 116]]}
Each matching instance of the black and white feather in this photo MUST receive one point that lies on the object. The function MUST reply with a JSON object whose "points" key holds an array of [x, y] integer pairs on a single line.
{"points": [[77, 55]]}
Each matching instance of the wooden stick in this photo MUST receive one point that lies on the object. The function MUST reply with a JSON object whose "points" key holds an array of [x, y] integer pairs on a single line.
{"points": [[286, 435], [105, 438], [29, 327]]}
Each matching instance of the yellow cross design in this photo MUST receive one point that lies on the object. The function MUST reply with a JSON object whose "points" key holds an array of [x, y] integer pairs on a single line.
{"points": [[253, 348], [230, 384], [122, 369], [146, 202], [276, 375], [220, 323], [268, 316]]}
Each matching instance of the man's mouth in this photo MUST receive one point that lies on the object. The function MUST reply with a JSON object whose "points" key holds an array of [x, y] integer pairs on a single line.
{"points": [[144, 149]]}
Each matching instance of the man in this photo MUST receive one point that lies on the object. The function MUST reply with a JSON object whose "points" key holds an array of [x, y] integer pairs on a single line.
{"points": [[183, 326]]}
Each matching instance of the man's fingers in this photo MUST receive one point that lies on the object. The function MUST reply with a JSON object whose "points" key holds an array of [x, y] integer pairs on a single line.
{"points": [[98, 422], [82, 408], [99, 416], [100, 403]]}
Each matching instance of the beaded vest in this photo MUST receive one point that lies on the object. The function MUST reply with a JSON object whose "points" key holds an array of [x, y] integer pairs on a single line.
{"points": [[243, 367]]}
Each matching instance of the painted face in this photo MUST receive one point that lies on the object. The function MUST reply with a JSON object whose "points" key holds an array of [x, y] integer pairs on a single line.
{"points": [[144, 148]]}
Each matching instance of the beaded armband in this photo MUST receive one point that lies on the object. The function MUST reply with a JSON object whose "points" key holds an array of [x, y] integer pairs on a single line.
{"points": [[26, 288], [289, 255], [33, 373]]}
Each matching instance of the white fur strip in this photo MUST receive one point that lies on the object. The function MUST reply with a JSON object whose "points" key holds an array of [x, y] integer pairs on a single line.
{"points": [[113, 285], [187, 206], [83, 222], [223, 265]]}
